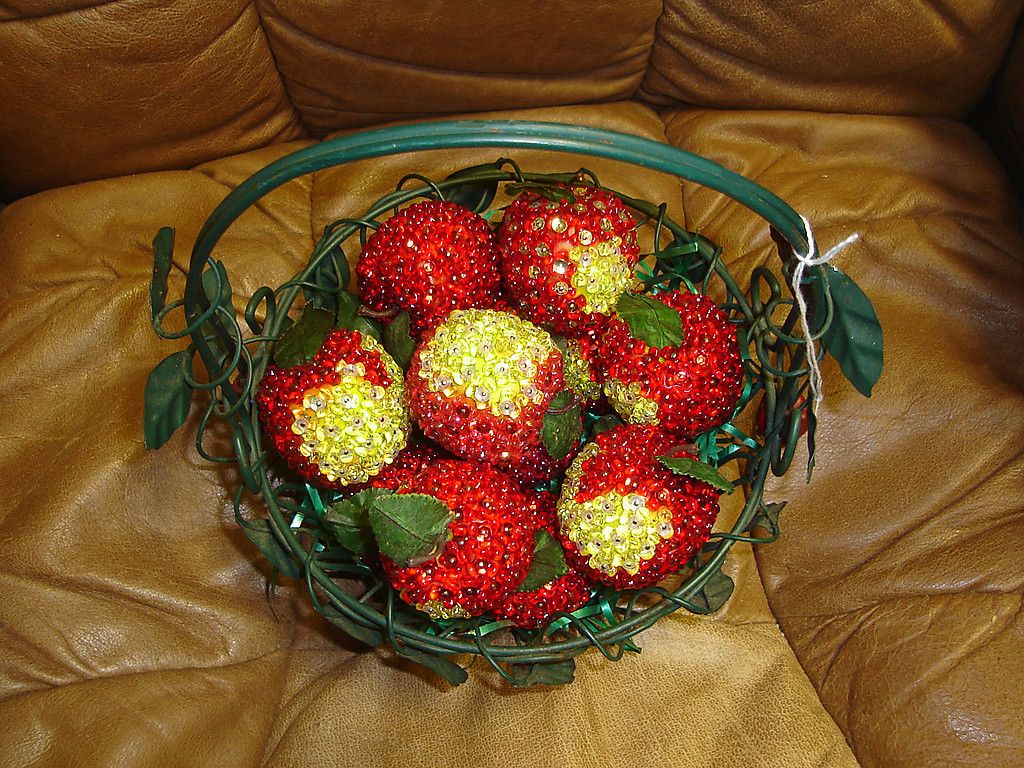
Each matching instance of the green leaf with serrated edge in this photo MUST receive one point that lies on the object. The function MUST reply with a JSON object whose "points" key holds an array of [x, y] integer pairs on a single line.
{"points": [[344, 623], [606, 422], [366, 327], [348, 520], [714, 594], [548, 563], [348, 307], [163, 250], [698, 470], [449, 670], [553, 673], [410, 528], [166, 399], [398, 340], [651, 321], [767, 517], [213, 277], [560, 432], [300, 343], [854, 338], [476, 195], [260, 534]]}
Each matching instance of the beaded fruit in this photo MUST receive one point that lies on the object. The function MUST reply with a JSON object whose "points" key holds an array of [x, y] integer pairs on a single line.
{"points": [[564, 594], [581, 367], [341, 418], [685, 389], [409, 461], [567, 261], [625, 519], [429, 259], [537, 467], [480, 383], [491, 546]]}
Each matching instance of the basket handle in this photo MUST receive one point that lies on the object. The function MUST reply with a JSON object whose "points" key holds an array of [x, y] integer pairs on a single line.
{"points": [[454, 134]]}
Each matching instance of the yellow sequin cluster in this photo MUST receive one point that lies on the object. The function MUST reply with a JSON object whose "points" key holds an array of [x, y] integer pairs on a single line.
{"points": [[435, 609], [602, 273], [352, 429], [490, 357], [613, 531], [577, 372], [630, 404]]}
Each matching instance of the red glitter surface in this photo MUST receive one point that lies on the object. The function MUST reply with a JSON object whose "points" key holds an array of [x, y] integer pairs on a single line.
{"points": [[281, 388], [564, 594], [696, 384], [492, 541], [627, 463], [518, 243], [455, 423], [429, 259]]}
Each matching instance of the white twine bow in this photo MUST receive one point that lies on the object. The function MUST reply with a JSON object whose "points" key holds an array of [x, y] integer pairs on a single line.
{"points": [[812, 259]]}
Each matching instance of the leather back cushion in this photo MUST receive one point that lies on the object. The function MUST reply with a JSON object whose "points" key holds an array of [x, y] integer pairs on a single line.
{"points": [[347, 63], [913, 57], [91, 91]]}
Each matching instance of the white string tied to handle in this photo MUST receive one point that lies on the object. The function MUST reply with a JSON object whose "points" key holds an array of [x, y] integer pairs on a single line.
{"points": [[812, 259]]}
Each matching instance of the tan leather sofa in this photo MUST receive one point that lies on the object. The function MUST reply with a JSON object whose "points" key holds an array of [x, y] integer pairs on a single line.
{"points": [[883, 629]]}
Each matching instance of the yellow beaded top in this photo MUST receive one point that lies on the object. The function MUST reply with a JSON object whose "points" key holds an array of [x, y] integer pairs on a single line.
{"points": [[352, 429], [577, 372], [488, 356], [602, 273], [612, 530], [630, 404]]}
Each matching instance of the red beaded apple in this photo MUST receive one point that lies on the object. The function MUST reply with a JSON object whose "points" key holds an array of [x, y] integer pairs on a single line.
{"points": [[339, 419], [625, 519], [480, 383], [566, 261], [534, 608], [686, 388], [427, 260], [491, 546]]}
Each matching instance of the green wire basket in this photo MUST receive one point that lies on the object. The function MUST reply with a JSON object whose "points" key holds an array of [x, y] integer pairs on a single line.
{"points": [[358, 599]]}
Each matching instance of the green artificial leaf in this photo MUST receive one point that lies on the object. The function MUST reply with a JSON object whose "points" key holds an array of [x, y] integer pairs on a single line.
{"points": [[547, 191], [854, 338], [548, 563], [714, 594], [651, 321], [410, 528], [812, 427], [363, 634], [166, 399], [475, 194], [698, 470], [606, 422], [348, 520], [300, 343], [553, 673], [213, 277], [348, 309], [398, 340], [163, 250], [450, 671], [677, 250], [561, 429], [366, 327], [767, 518], [260, 534]]}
